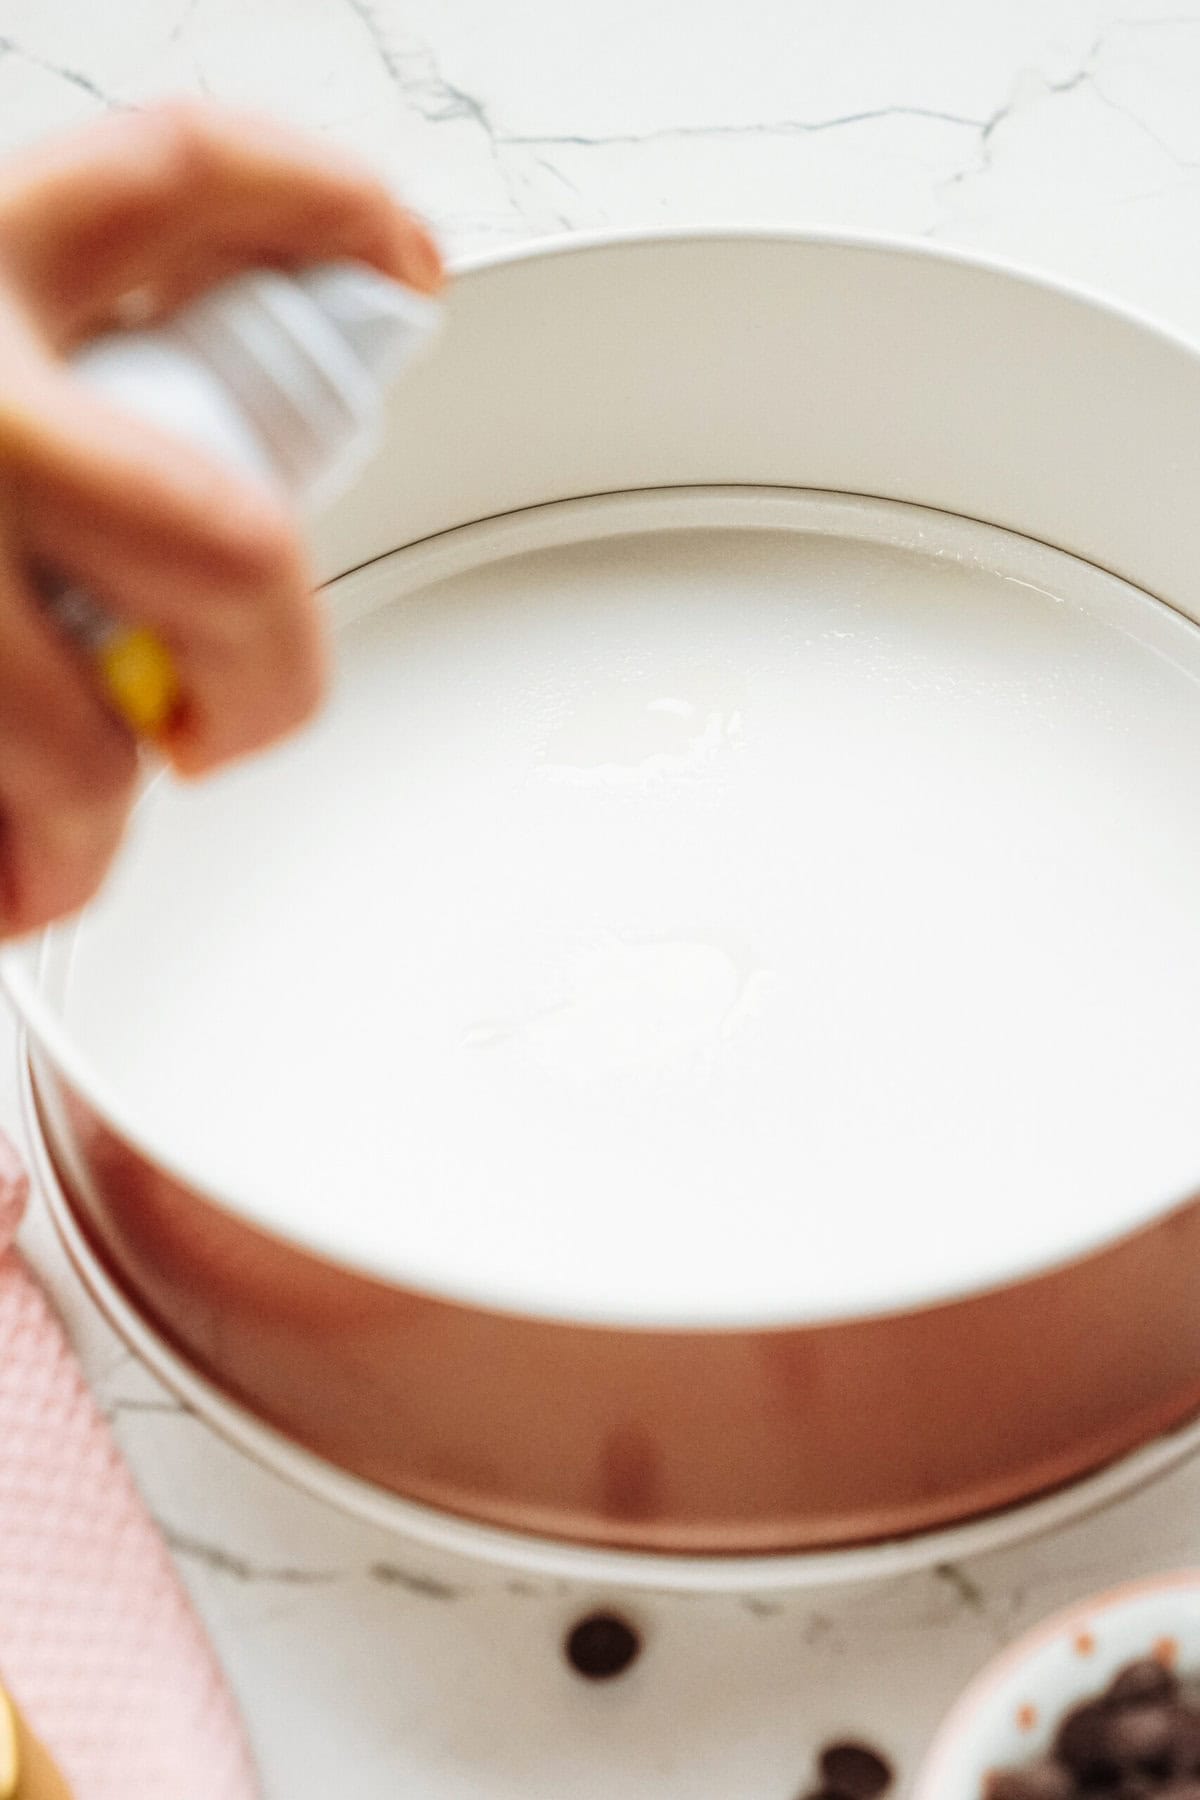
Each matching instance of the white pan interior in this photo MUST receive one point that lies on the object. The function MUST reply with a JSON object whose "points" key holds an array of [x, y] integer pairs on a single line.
{"points": [[697, 906], [717, 904]]}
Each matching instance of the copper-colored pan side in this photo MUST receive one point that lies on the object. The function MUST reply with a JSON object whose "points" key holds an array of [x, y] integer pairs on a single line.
{"points": [[721, 1442]]}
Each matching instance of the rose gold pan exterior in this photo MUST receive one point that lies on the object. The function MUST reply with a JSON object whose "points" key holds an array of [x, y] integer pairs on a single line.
{"points": [[697, 1442]]}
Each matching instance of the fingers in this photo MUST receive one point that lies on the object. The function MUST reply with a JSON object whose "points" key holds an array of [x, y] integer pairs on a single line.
{"points": [[162, 538], [243, 628], [167, 200], [216, 573], [65, 449], [156, 205], [67, 771], [165, 540], [52, 864]]}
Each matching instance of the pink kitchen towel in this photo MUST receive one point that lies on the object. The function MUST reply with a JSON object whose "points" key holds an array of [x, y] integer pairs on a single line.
{"points": [[99, 1645]]}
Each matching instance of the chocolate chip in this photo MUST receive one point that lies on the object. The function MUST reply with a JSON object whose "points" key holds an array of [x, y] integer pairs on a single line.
{"points": [[1083, 1744], [855, 1772], [1185, 1741], [1037, 1781], [1141, 1738], [601, 1646], [1142, 1681]]}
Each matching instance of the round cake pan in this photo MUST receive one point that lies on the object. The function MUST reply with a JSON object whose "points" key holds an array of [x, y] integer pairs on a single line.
{"points": [[760, 386]]}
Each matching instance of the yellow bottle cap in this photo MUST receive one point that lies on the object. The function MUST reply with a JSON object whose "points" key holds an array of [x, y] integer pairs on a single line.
{"points": [[139, 679]]}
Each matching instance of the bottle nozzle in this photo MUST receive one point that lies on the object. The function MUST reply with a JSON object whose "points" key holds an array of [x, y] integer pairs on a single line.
{"points": [[382, 322]]}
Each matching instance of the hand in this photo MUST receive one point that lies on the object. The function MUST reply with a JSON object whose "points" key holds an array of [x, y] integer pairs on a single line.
{"points": [[148, 209]]}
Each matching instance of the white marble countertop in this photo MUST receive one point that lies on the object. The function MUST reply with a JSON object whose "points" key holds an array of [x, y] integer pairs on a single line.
{"points": [[1059, 133]]}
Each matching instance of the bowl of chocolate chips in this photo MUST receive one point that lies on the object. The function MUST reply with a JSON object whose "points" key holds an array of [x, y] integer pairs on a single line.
{"points": [[1103, 1700]]}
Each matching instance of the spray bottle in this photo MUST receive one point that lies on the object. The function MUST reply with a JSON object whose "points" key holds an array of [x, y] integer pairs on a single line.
{"points": [[279, 376]]}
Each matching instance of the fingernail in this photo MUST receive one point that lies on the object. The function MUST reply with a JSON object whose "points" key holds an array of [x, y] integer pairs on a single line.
{"points": [[427, 269]]}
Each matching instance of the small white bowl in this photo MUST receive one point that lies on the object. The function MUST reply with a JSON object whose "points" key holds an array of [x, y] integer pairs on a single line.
{"points": [[1009, 1714]]}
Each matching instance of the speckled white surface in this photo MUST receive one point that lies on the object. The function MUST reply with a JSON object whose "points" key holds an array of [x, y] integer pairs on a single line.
{"points": [[1056, 132]]}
